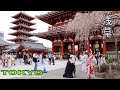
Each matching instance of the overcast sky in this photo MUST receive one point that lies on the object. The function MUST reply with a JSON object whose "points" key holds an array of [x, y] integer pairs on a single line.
{"points": [[6, 19]]}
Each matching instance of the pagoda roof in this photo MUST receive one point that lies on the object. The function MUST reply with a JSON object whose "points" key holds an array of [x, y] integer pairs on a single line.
{"points": [[52, 17], [19, 31], [21, 38], [22, 19], [23, 26], [3, 43], [24, 14]]}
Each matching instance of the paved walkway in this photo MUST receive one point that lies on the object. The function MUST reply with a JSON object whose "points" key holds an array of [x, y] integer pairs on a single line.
{"points": [[54, 71], [57, 74]]}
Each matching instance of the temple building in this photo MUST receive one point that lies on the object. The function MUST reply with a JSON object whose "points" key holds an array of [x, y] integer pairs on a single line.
{"points": [[62, 42], [3, 45], [22, 34], [69, 29]]}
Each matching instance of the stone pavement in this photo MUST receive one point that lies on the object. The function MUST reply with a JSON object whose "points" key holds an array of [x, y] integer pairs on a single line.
{"points": [[57, 74]]}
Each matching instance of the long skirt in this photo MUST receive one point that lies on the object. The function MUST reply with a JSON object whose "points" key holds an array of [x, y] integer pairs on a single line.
{"points": [[5, 62], [84, 68], [41, 62], [91, 73], [9, 63]]}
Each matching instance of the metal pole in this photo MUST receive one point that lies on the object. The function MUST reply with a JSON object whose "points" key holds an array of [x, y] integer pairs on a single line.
{"points": [[116, 47]]}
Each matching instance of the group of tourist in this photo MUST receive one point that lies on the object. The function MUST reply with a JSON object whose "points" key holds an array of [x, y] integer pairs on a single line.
{"points": [[9, 59], [88, 60]]}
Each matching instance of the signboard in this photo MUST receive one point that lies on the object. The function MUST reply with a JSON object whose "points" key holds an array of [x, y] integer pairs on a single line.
{"points": [[107, 30]]}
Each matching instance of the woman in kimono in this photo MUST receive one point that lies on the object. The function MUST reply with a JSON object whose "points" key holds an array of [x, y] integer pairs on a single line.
{"points": [[10, 60], [83, 60], [90, 66], [3, 59], [69, 70], [13, 59], [40, 59], [6, 60]]}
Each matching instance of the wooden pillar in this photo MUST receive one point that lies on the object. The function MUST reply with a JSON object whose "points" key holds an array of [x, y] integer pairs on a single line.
{"points": [[78, 49], [104, 46], [52, 47], [62, 48], [88, 45], [73, 46]]}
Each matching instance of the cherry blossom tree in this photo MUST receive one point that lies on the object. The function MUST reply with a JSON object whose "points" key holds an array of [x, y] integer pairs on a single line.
{"points": [[84, 23]]}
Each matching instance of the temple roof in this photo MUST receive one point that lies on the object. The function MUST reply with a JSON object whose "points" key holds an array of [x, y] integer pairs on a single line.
{"points": [[12, 47], [23, 32], [26, 45], [3, 43], [23, 14], [22, 26], [37, 46], [52, 17], [52, 33], [22, 20]]}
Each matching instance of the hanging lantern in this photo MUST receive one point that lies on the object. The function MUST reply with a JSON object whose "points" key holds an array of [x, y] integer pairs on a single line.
{"points": [[69, 47], [97, 46]]}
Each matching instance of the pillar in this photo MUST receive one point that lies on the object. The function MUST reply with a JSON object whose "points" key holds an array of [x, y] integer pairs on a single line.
{"points": [[62, 48], [104, 46], [78, 48], [88, 45], [73, 46], [52, 47]]}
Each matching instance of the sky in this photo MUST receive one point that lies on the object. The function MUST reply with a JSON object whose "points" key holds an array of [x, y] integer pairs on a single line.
{"points": [[5, 24]]}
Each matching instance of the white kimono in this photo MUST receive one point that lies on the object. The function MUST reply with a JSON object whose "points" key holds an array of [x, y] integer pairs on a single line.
{"points": [[40, 59], [84, 61], [9, 60]]}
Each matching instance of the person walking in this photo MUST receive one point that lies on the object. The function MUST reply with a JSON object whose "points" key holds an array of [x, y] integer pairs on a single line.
{"points": [[90, 66], [19, 57], [25, 58], [40, 59], [30, 58], [53, 59], [49, 56], [9, 60], [35, 60], [13, 59], [86, 57]]}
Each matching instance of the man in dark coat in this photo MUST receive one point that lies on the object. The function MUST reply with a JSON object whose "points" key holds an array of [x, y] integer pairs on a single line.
{"points": [[25, 58], [70, 67], [19, 57]]}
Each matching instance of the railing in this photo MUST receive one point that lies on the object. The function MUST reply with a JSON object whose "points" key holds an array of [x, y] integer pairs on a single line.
{"points": [[113, 56], [112, 38], [57, 27]]}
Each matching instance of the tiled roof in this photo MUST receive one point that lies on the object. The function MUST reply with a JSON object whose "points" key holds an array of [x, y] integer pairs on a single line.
{"points": [[27, 45], [2, 43], [49, 49], [12, 47], [37, 46]]}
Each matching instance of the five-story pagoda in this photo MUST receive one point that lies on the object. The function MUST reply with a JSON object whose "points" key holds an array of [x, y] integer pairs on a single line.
{"points": [[22, 32], [22, 28]]}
